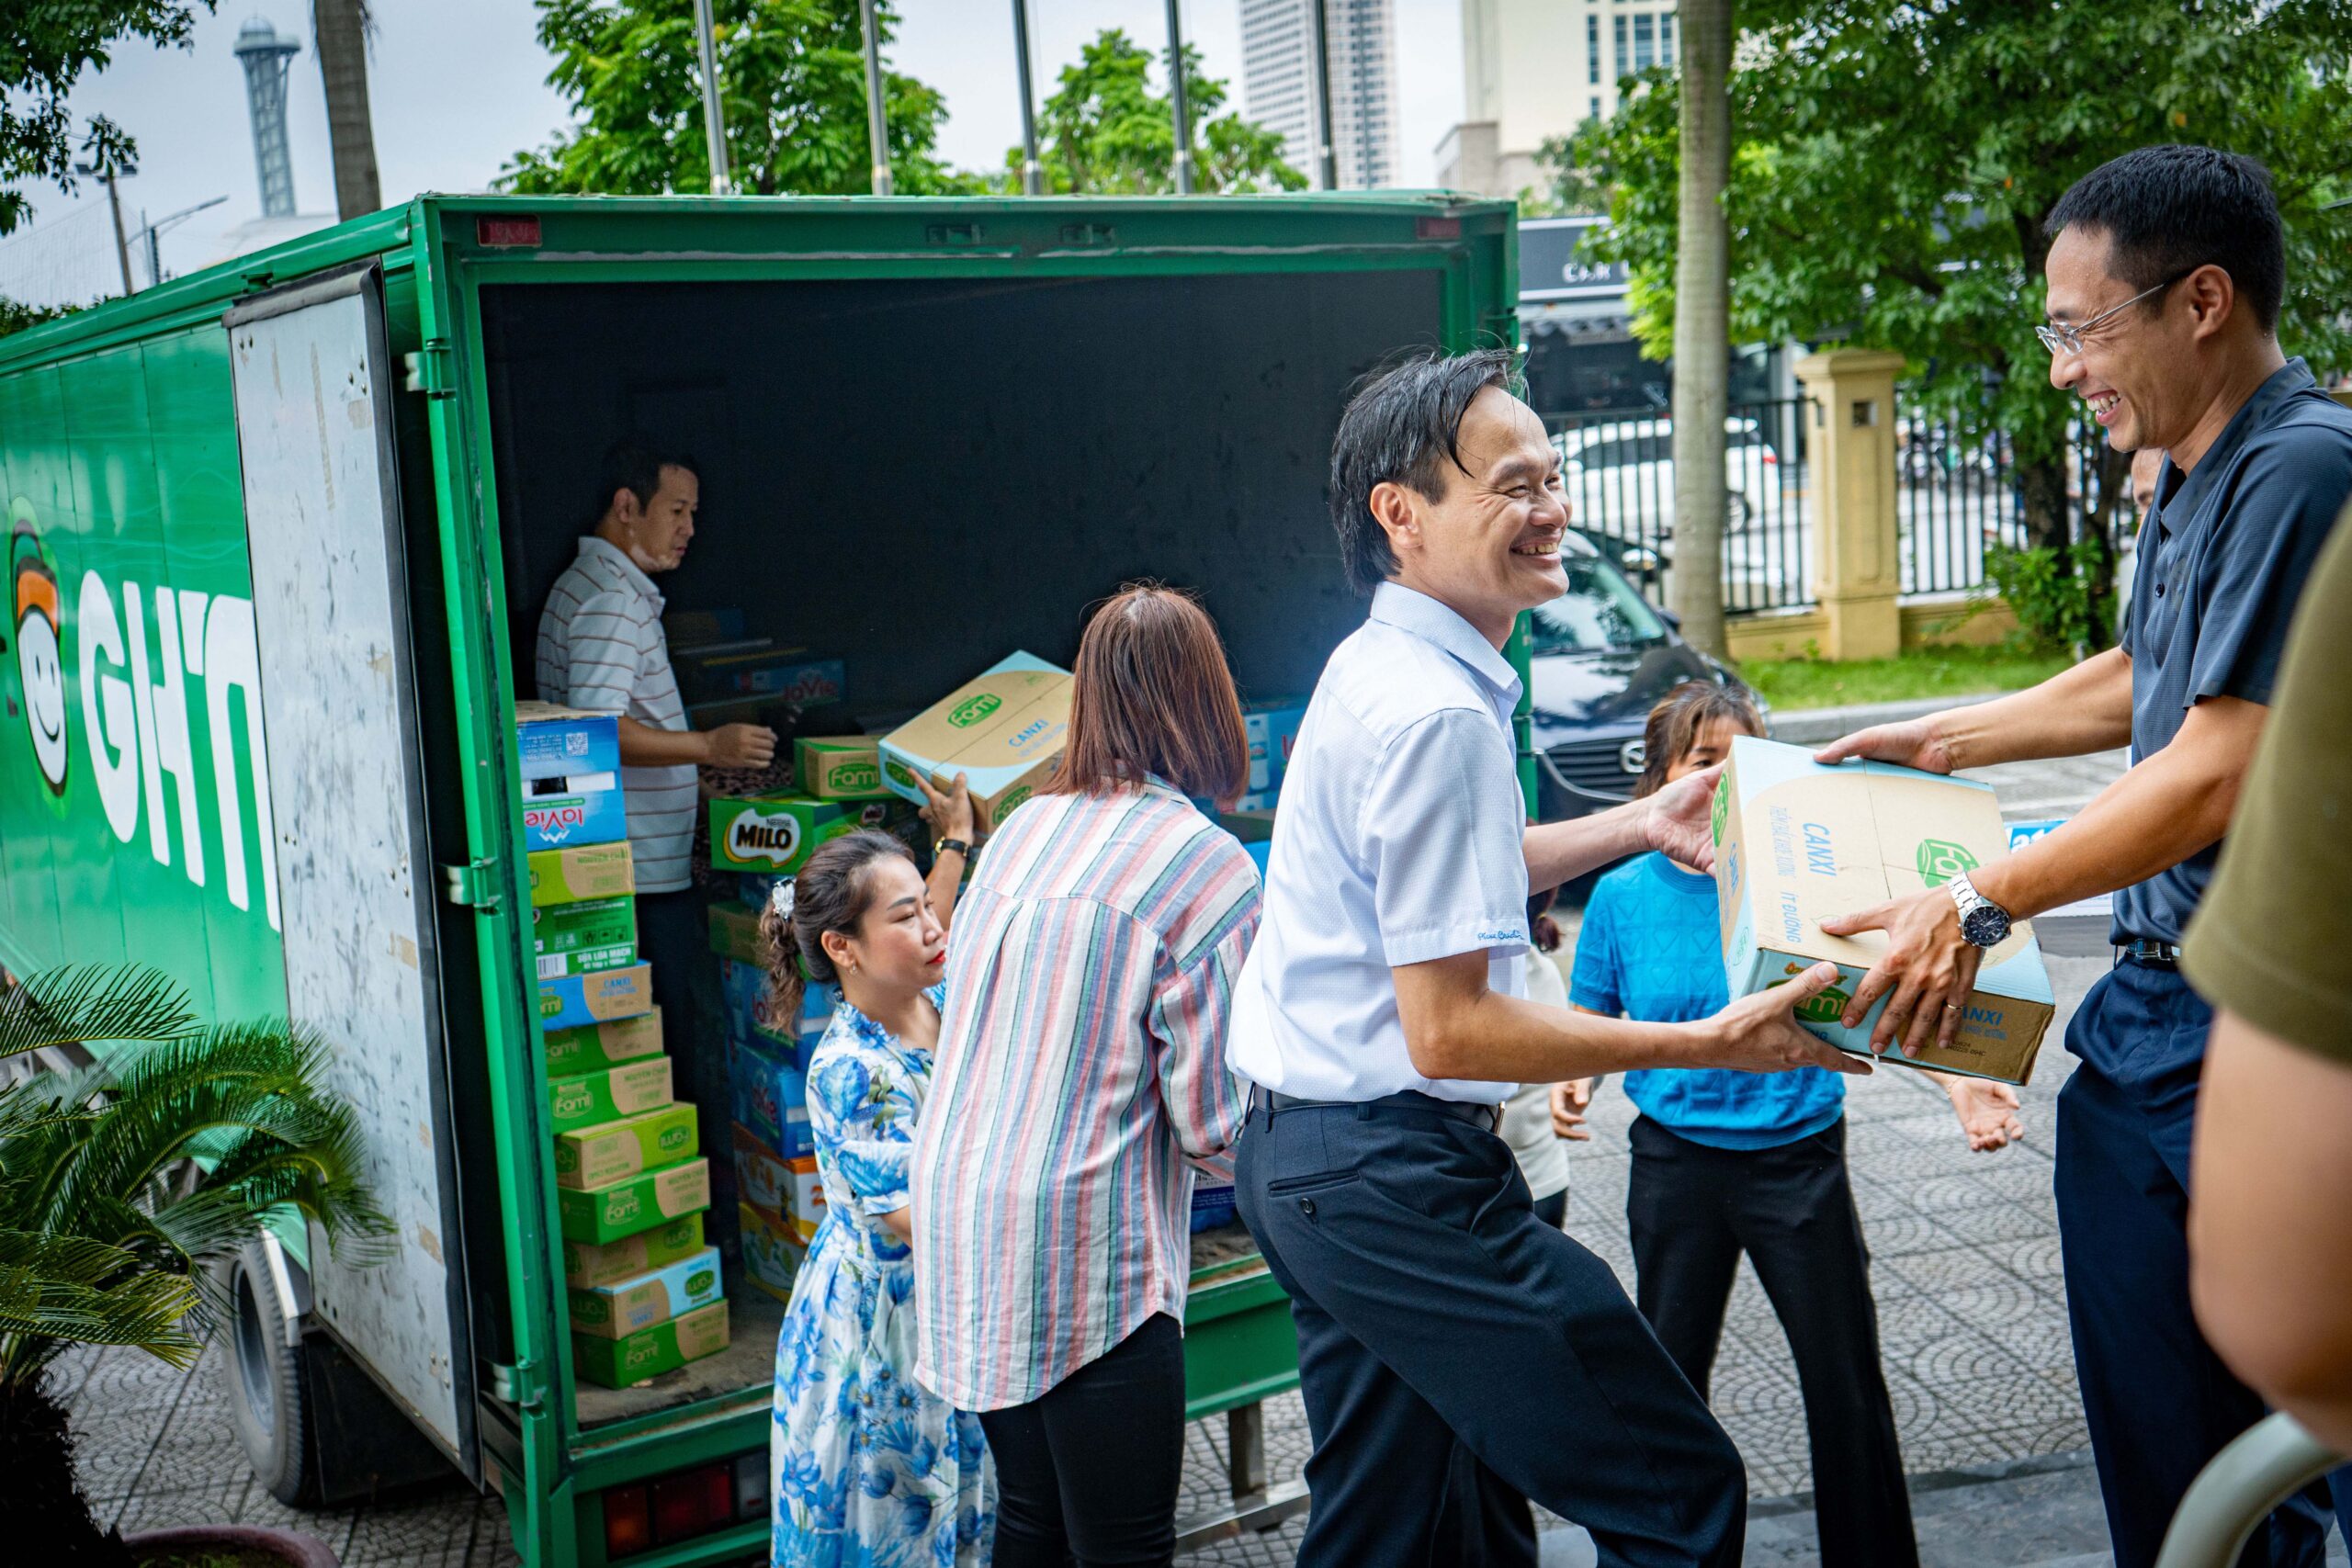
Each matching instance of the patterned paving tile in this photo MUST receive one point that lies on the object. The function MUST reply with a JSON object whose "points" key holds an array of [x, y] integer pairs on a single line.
{"points": [[215, 1503]]}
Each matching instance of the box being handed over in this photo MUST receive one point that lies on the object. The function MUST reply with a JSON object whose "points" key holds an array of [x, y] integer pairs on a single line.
{"points": [[1004, 727], [1797, 842]]}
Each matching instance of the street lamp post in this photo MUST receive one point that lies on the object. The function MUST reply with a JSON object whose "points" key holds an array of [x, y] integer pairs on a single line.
{"points": [[714, 117], [1176, 98], [106, 174], [1326, 153], [877, 127], [1032, 172]]}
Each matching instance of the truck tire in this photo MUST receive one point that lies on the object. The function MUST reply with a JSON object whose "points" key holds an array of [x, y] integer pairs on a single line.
{"points": [[265, 1383]]}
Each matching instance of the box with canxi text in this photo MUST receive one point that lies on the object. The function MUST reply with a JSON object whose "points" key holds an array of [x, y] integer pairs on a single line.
{"points": [[1797, 842]]}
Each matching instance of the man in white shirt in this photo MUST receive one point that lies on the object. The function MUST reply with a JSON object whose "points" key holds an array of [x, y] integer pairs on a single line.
{"points": [[1444, 1331]]}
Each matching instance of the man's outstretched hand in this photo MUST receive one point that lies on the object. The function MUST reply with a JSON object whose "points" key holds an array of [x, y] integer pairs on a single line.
{"points": [[1912, 744], [1680, 819], [1928, 965]]}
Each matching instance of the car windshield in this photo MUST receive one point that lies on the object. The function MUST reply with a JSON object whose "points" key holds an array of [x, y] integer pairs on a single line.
{"points": [[1600, 611]]}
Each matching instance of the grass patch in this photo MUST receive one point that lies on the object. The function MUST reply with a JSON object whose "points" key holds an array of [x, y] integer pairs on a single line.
{"points": [[1791, 684]]}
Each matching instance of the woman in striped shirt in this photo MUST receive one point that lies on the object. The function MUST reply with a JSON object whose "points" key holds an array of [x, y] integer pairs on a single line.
{"points": [[1080, 1076]]}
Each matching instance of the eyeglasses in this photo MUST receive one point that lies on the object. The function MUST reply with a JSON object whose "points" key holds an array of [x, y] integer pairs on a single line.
{"points": [[2058, 337]]}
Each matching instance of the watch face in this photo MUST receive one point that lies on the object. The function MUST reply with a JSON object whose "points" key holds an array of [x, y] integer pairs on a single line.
{"points": [[1984, 925]]}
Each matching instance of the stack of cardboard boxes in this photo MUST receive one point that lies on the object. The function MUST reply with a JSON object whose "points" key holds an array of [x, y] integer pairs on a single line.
{"points": [[644, 1288], [1271, 728]]}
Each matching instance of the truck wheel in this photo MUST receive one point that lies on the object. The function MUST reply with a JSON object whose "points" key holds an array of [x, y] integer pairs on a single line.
{"points": [[265, 1383]]}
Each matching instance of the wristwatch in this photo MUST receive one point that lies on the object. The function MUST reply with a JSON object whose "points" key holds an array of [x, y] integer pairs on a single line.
{"points": [[942, 846], [1982, 923]]}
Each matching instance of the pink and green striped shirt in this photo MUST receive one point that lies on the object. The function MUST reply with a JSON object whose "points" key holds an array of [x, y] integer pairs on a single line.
{"points": [[1081, 1074]]}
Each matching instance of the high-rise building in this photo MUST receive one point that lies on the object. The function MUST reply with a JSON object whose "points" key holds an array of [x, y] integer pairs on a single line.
{"points": [[1536, 69], [1278, 82], [266, 55]]}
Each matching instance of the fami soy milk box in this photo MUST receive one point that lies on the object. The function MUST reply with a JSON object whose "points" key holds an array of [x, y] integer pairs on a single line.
{"points": [[1797, 842]]}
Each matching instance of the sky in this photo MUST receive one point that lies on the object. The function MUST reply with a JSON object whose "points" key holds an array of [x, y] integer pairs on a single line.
{"points": [[458, 86]]}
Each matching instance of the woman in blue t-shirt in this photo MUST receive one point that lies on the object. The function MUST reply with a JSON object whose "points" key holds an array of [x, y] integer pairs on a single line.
{"points": [[1726, 1162]]}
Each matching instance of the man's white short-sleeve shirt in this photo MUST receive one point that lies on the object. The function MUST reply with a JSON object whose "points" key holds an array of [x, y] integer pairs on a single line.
{"points": [[1399, 840]]}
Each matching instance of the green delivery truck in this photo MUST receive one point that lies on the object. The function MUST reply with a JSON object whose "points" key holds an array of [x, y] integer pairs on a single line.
{"points": [[280, 534]]}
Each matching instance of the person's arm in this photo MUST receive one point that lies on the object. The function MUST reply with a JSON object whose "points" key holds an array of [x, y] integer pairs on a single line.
{"points": [[1191, 1009], [2164, 810], [729, 746], [1675, 820], [949, 813], [1987, 1110], [1456, 1027], [863, 1117], [607, 647], [2271, 1225], [2079, 710]]}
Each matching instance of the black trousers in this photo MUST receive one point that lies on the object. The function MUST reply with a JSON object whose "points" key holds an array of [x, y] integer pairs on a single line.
{"points": [[1446, 1333], [1088, 1472], [2159, 1401], [1692, 1210]]}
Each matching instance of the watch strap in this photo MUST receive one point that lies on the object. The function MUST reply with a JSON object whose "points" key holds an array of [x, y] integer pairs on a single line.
{"points": [[942, 846]]}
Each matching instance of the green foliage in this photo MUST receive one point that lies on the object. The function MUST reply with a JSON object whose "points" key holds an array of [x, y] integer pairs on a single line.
{"points": [[1105, 133], [1896, 162], [1793, 685], [15, 316], [792, 84], [122, 1183], [45, 46], [2055, 592]]}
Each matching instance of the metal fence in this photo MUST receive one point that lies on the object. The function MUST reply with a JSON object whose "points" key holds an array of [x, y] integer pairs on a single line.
{"points": [[1959, 493], [1617, 466]]}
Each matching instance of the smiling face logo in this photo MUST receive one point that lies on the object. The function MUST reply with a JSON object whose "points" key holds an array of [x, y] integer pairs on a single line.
{"points": [[40, 648]]}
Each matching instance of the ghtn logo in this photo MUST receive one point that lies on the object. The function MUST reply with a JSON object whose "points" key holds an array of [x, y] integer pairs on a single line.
{"points": [[1940, 860], [37, 612]]}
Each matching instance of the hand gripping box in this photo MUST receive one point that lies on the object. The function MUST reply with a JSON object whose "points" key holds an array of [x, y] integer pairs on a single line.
{"points": [[607, 1214], [647, 1354], [1797, 842], [627, 1307], [1005, 729]]}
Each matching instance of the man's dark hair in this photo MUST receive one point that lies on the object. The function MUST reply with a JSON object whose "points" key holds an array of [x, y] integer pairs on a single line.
{"points": [[2168, 210], [1403, 425], [634, 464]]}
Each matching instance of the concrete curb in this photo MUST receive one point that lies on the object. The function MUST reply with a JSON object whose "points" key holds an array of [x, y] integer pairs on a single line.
{"points": [[1817, 727]]}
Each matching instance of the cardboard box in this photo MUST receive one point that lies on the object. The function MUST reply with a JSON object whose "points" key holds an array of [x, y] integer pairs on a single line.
{"points": [[591, 1263], [584, 939], [688, 629], [583, 873], [761, 1177], [735, 932], [607, 1214], [577, 1100], [575, 808], [725, 672], [621, 1150], [807, 1210], [1005, 729], [557, 742], [638, 1358], [578, 999], [1273, 733], [841, 767], [770, 1094], [594, 1045], [632, 1305], [1797, 842], [778, 832], [772, 1250]]}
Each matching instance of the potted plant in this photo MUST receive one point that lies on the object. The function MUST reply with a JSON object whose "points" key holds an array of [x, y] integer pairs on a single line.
{"points": [[122, 1184]]}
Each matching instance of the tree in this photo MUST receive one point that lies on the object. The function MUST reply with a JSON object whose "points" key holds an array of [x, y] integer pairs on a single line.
{"points": [[45, 46], [1702, 287], [792, 83], [109, 1229], [1897, 162], [1105, 133], [341, 28]]}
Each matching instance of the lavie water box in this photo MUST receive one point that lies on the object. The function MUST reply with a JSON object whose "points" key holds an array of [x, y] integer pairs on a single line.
{"points": [[1797, 842]]}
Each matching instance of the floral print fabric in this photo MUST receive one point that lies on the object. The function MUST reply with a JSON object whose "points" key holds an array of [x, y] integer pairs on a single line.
{"points": [[867, 1470]]}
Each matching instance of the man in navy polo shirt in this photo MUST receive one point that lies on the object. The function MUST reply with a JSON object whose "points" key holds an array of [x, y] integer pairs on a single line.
{"points": [[2166, 271]]}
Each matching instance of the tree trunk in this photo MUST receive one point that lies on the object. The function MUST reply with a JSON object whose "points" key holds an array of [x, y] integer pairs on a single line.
{"points": [[45, 1500], [1702, 325], [340, 28]]}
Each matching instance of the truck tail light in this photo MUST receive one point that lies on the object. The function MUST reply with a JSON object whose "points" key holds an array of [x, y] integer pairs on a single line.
{"points": [[628, 1527], [693, 1502]]}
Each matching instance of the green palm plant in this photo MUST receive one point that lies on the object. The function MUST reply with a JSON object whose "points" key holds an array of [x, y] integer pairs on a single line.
{"points": [[122, 1184]]}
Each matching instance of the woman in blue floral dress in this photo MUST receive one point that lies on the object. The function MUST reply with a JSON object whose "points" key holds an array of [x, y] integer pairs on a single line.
{"points": [[868, 1470]]}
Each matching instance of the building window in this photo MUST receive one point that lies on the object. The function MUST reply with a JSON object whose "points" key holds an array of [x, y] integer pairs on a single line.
{"points": [[1644, 42], [1666, 38], [1595, 113], [1592, 49], [1623, 67]]}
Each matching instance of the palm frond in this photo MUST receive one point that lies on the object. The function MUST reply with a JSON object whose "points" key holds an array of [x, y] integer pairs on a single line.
{"points": [[85, 1004], [69, 1289]]}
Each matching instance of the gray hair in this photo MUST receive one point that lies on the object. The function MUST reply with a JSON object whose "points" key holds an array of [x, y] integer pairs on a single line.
{"points": [[1403, 423]]}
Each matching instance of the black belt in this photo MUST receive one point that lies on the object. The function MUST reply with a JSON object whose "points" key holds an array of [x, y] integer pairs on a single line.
{"points": [[1487, 1116], [2143, 950]]}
